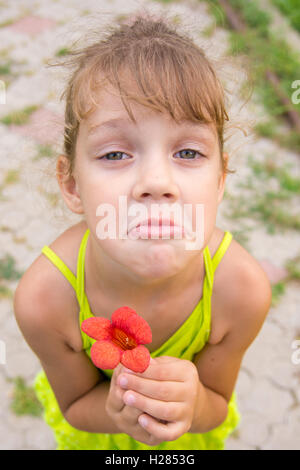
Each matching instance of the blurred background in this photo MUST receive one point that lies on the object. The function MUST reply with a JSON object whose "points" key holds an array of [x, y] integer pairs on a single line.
{"points": [[256, 48]]}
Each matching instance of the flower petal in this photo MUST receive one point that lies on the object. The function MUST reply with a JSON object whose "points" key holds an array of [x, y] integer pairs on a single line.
{"points": [[137, 359], [105, 354], [97, 327], [138, 328], [120, 316], [133, 324]]}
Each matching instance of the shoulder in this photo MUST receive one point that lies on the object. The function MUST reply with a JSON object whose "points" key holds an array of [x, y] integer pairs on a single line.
{"points": [[244, 295], [44, 298], [247, 296]]}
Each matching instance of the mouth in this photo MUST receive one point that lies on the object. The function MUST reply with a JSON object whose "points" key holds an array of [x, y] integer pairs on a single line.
{"points": [[154, 227], [156, 223]]}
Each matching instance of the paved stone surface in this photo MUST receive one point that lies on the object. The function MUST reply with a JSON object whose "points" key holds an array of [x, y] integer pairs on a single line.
{"points": [[274, 273], [32, 25], [32, 214], [44, 126]]}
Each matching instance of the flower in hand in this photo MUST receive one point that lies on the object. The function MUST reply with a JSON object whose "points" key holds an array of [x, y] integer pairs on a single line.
{"points": [[119, 340]]}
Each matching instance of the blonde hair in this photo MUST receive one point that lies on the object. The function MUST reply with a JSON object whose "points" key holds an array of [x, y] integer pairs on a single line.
{"points": [[170, 73]]}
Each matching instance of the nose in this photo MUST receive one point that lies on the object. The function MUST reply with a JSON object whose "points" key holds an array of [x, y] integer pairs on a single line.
{"points": [[155, 182]]}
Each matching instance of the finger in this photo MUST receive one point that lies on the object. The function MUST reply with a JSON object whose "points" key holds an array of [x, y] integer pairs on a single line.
{"points": [[115, 396], [115, 399], [116, 372], [164, 368], [131, 414], [169, 411], [145, 437], [159, 390], [160, 431]]}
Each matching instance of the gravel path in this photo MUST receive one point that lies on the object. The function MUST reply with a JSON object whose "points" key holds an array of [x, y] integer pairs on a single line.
{"points": [[32, 214]]}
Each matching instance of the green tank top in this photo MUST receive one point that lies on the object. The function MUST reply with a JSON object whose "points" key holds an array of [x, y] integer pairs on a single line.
{"points": [[185, 343]]}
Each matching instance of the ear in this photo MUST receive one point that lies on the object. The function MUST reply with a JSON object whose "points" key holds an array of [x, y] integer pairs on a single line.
{"points": [[222, 178], [68, 185]]}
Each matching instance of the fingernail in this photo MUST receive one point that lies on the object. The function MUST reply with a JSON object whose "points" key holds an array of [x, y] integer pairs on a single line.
{"points": [[143, 421], [130, 399], [123, 381]]}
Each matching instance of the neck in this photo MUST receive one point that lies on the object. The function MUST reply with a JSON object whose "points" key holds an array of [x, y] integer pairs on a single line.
{"points": [[124, 287]]}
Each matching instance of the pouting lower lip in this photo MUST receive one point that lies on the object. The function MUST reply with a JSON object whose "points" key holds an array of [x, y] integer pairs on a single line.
{"points": [[157, 231], [151, 224]]}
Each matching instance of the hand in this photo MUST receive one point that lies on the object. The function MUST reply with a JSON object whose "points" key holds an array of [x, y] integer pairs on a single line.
{"points": [[126, 417], [168, 391]]}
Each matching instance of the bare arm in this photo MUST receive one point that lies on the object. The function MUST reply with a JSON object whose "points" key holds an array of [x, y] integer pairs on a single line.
{"points": [[218, 365], [80, 388]]}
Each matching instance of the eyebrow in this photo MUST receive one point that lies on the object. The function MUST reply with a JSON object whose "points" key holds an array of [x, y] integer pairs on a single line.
{"points": [[110, 124], [119, 122]]}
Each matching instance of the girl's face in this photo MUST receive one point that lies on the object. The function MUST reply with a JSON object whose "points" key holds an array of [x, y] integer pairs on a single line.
{"points": [[154, 162]]}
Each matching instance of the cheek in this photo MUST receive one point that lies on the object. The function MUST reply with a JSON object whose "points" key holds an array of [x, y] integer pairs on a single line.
{"points": [[98, 189], [203, 197], [203, 189]]}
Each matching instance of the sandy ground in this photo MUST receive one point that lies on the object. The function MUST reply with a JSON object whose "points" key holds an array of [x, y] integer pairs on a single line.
{"points": [[32, 214]]}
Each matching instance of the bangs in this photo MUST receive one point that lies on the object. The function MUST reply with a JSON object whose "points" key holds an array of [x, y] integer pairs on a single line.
{"points": [[148, 62], [160, 75]]}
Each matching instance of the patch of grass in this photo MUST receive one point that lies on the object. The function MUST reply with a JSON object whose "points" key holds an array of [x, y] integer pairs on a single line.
{"points": [[278, 290], [5, 69], [5, 228], [7, 269], [291, 9], [269, 129], [19, 117], [10, 68], [63, 51], [216, 11], [12, 176], [283, 174], [252, 15], [5, 292], [53, 198], [293, 267], [268, 196], [285, 178], [176, 19], [265, 50], [274, 54], [209, 30], [241, 236], [44, 150], [19, 239], [25, 401], [121, 17], [267, 209], [7, 22], [235, 434]]}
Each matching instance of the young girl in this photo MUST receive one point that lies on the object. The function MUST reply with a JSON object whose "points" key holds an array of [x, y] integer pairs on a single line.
{"points": [[144, 120]]}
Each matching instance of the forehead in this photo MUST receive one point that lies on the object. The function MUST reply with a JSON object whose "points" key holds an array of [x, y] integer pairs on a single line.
{"points": [[111, 115], [124, 123]]}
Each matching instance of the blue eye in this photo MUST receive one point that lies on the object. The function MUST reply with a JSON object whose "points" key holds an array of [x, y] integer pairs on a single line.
{"points": [[112, 153], [189, 154]]}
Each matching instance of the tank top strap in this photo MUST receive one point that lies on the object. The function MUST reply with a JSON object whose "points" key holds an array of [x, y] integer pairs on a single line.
{"points": [[221, 250], [85, 311], [212, 263], [63, 268], [210, 268], [81, 270]]}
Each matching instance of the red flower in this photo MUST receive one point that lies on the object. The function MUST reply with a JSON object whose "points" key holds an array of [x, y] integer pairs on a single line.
{"points": [[120, 340]]}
